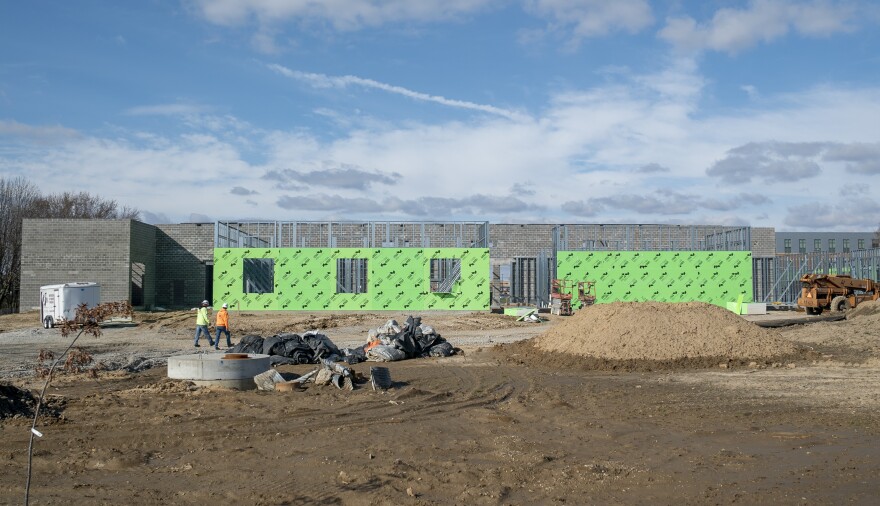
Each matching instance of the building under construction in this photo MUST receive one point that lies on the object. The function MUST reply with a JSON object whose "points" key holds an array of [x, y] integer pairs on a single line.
{"points": [[289, 265]]}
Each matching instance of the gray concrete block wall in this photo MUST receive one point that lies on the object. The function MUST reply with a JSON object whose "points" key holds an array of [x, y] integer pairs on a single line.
{"points": [[763, 242], [183, 252], [63, 251], [510, 240]]}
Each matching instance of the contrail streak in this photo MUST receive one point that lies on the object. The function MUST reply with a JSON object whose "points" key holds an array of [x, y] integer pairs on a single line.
{"points": [[325, 81]]}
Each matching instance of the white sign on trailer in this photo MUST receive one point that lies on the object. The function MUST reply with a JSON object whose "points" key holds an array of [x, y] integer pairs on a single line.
{"points": [[59, 302]]}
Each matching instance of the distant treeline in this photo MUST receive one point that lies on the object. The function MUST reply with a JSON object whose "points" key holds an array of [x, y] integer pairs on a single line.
{"points": [[19, 199]]}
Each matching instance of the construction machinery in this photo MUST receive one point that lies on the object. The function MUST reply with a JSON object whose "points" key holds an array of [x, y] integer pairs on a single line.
{"points": [[560, 297], [834, 292], [562, 291], [586, 291]]}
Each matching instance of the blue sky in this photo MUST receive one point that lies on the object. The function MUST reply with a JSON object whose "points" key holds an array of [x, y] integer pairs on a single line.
{"points": [[761, 113]]}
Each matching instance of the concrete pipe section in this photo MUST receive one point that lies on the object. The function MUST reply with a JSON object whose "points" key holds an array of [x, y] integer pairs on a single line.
{"points": [[229, 370]]}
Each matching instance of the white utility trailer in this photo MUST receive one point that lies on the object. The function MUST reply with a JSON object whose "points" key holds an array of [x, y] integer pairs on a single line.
{"points": [[59, 302]]}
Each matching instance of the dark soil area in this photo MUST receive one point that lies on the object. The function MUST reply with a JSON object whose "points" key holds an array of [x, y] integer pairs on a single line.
{"points": [[485, 428]]}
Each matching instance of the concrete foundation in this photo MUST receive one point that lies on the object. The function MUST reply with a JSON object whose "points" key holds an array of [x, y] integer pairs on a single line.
{"points": [[234, 371]]}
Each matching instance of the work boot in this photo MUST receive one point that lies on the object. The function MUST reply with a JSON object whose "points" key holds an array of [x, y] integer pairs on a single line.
{"points": [[197, 345]]}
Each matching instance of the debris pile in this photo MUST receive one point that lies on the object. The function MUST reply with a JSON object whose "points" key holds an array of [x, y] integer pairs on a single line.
{"points": [[290, 349], [330, 373], [663, 332], [388, 343], [391, 342]]}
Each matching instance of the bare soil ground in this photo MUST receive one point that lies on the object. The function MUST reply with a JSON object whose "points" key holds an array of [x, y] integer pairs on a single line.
{"points": [[506, 424]]}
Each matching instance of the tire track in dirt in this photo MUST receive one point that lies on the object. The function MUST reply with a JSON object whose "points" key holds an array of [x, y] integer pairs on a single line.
{"points": [[413, 405]]}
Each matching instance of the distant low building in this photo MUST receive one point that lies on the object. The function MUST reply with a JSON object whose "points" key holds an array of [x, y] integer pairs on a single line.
{"points": [[824, 242]]}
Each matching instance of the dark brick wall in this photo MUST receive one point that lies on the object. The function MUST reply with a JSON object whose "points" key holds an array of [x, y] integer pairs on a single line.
{"points": [[183, 252]]}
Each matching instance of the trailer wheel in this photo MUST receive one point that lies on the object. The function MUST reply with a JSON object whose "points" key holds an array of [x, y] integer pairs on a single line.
{"points": [[839, 304], [48, 323]]}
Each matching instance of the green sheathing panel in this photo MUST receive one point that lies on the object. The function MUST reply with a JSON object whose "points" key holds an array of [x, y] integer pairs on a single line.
{"points": [[716, 277], [398, 279]]}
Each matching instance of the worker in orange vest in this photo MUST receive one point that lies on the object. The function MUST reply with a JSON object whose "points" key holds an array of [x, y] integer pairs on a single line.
{"points": [[222, 325]]}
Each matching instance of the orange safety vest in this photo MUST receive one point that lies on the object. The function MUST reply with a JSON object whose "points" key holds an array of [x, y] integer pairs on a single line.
{"points": [[223, 318]]}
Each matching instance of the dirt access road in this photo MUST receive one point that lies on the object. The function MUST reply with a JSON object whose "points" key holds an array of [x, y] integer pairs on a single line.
{"points": [[497, 425]]}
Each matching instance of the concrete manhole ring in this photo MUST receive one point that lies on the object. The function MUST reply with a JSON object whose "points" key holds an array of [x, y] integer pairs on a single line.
{"points": [[230, 370]]}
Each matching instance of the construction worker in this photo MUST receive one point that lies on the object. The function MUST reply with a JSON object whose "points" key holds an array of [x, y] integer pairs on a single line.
{"points": [[222, 325], [202, 322]]}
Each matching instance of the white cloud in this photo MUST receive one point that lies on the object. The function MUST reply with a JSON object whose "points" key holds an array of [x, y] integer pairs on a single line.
{"points": [[733, 30], [587, 152], [42, 133], [853, 212], [580, 19], [167, 110], [750, 90], [341, 14]]}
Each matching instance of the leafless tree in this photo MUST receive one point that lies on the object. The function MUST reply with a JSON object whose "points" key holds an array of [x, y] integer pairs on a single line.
{"points": [[19, 198], [79, 205]]}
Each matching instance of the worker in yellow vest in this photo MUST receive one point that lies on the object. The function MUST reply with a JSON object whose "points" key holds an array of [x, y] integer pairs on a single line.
{"points": [[202, 322]]}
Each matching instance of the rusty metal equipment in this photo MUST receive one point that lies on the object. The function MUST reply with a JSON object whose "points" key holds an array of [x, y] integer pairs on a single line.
{"points": [[586, 293], [835, 292], [560, 297]]}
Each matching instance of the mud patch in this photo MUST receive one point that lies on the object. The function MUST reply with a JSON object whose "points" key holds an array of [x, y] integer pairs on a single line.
{"points": [[20, 403]]}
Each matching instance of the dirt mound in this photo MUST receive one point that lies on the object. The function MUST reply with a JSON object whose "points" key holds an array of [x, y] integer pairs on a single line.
{"points": [[869, 308], [661, 331], [15, 401]]}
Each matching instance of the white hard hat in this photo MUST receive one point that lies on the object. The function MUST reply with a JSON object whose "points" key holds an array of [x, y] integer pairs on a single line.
{"points": [[225, 305], [206, 303]]}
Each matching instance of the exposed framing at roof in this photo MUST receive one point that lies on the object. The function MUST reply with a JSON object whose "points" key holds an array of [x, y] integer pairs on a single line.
{"points": [[351, 234]]}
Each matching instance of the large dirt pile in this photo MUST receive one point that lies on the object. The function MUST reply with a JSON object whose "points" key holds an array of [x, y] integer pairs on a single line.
{"points": [[869, 308], [661, 331]]}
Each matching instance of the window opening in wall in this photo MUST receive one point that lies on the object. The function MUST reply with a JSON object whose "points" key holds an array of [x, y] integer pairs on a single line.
{"points": [[831, 246], [209, 281], [846, 245], [817, 244], [259, 275], [444, 273], [351, 275], [787, 245], [138, 272], [802, 245], [178, 292], [861, 244]]}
